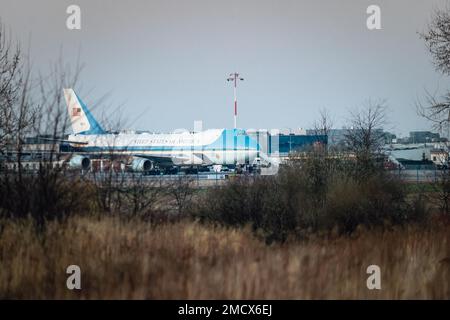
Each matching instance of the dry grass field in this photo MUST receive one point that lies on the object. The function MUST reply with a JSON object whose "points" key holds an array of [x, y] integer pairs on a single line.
{"points": [[187, 260]]}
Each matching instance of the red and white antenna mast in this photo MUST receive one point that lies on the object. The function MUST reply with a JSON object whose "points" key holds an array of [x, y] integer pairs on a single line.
{"points": [[235, 77]]}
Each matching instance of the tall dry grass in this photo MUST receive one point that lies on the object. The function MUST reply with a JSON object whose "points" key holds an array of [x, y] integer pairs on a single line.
{"points": [[186, 260]]}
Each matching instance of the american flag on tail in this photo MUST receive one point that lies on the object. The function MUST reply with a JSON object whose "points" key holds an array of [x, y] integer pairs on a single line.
{"points": [[76, 112]]}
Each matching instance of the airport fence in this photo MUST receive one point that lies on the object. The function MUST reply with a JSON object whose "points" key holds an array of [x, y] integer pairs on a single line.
{"points": [[418, 175]]}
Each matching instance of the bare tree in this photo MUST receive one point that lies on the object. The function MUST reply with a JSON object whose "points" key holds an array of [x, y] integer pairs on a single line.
{"points": [[16, 115], [365, 136], [436, 110], [324, 124], [437, 40], [32, 105], [181, 190], [144, 196], [10, 79], [322, 127]]}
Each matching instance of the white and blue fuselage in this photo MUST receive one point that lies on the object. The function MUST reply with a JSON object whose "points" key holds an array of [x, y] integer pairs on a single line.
{"points": [[209, 147]]}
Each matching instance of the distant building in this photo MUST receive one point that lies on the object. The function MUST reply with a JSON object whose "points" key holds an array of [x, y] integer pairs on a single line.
{"points": [[389, 138], [338, 136], [402, 140], [423, 137], [294, 142], [335, 136], [34, 148], [284, 141]]}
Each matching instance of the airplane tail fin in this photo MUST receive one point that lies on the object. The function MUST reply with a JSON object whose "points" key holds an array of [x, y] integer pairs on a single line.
{"points": [[83, 122]]}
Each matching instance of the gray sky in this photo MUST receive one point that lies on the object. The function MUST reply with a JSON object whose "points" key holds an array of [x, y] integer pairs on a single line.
{"points": [[170, 58]]}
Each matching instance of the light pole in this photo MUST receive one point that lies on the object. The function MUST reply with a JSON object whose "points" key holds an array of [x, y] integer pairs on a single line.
{"points": [[235, 77]]}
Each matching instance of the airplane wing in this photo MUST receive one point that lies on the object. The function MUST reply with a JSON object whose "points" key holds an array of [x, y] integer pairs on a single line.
{"points": [[64, 141]]}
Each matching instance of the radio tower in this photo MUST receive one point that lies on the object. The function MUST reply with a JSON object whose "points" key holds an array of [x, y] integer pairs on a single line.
{"points": [[235, 77]]}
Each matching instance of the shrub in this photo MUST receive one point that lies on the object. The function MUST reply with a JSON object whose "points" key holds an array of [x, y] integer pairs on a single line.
{"points": [[44, 196], [320, 193]]}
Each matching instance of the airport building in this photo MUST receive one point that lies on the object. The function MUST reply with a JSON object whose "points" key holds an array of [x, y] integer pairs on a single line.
{"points": [[280, 143]]}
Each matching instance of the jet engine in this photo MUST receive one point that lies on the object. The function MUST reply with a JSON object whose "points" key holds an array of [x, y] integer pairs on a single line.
{"points": [[141, 164], [79, 162]]}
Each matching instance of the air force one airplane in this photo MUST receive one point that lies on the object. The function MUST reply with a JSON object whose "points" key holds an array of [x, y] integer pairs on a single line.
{"points": [[146, 150]]}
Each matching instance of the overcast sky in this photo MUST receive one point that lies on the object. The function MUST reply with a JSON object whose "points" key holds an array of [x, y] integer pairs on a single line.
{"points": [[166, 61]]}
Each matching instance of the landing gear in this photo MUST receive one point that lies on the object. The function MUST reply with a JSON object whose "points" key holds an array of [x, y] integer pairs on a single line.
{"points": [[248, 169], [152, 172], [254, 169], [191, 170], [171, 170]]}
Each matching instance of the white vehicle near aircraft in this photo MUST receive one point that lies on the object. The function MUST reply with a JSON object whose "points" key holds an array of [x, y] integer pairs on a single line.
{"points": [[213, 147]]}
